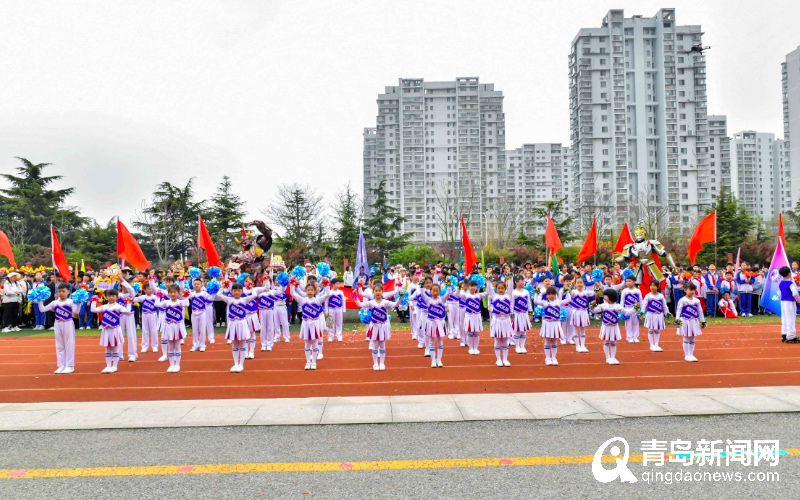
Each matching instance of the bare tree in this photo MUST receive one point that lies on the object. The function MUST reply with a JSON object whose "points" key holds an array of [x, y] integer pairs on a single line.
{"points": [[299, 211], [17, 232], [506, 220], [159, 228], [446, 213], [645, 209]]}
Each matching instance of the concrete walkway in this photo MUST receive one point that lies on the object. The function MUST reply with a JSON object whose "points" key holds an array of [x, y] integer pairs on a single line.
{"points": [[393, 409]]}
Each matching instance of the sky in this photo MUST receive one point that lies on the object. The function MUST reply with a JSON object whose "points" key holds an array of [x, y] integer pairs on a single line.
{"points": [[120, 96]]}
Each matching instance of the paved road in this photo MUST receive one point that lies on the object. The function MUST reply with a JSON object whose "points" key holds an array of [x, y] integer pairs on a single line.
{"points": [[355, 443]]}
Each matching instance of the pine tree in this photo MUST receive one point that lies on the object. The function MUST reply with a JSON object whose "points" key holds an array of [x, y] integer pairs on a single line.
{"points": [[383, 229], [298, 210], [734, 225], [347, 220], [225, 216], [557, 211]]}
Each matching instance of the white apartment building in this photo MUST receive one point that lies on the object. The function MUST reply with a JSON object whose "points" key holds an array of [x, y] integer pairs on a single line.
{"points": [[719, 155], [638, 118], [440, 147], [790, 80], [536, 173], [759, 170]]}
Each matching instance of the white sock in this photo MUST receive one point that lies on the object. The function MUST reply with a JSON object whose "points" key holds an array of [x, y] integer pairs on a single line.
{"points": [[375, 357], [607, 349], [504, 349], [613, 349], [546, 349], [553, 348], [109, 354], [686, 347], [441, 350], [497, 349], [235, 351], [691, 347], [656, 336]]}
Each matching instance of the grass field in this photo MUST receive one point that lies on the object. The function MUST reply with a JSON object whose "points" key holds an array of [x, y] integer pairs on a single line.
{"points": [[352, 323]]}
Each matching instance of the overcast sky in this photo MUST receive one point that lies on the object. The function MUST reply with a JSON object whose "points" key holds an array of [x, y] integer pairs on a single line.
{"points": [[119, 96]]}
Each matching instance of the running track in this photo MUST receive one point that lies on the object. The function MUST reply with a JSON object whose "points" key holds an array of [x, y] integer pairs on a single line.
{"points": [[730, 356]]}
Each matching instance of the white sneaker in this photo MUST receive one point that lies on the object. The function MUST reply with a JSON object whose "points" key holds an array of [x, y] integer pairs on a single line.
{"points": [[308, 365], [610, 361], [131, 359], [420, 345], [506, 363], [162, 359], [155, 349], [630, 341], [547, 361], [202, 348], [463, 344], [176, 368], [171, 369], [688, 358], [433, 364], [439, 364], [182, 341], [563, 341], [144, 349], [338, 339], [269, 348], [427, 354], [572, 342], [554, 362], [234, 368], [263, 348], [313, 366], [319, 356], [230, 342], [517, 350], [376, 367], [695, 359], [210, 341], [657, 348], [382, 367], [113, 369], [68, 369], [107, 369], [616, 362], [499, 362], [476, 352], [6, 330], [60, 369], [285, 339], [193, 349], [239, 368], [636, 340], [522, 350], [17, 329]]}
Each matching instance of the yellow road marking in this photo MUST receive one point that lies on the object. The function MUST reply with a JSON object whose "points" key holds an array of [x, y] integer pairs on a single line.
{"points": [[449, 463]]}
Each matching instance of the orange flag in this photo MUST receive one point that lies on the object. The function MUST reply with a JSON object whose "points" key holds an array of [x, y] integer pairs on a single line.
{"points": [[705, 232], [205, 242], [470, 259], [781, 233], [59, 261], [5, 249], [590, 245], [551, 239], [625, 238], [128, 248]]}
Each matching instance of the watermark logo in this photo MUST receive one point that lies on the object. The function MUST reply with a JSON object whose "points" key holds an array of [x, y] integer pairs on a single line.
{"points": [[620, 471]]}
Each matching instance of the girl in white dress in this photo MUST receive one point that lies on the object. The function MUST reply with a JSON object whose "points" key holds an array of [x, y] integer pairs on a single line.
{"points": [[655, 307], [473, 322], [380, 329], [436, 324], [313, 327], [237, 332], [551, 323], [111, 327], [609, 331], [521, 307], [689, 314], [579, 317], [500, 327], [174, 326]]}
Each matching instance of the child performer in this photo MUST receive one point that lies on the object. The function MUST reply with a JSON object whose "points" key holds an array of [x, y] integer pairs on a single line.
{"points": [[379, 329], [209, 313], [64, 328], [436, 324], [266, 313], [111, 332], [473, 323], [579, 318], [422, 311], [631, 297], [500, 327], [313, 327], [149, 318], [199, 300], [521, 322], [690, 319], [790, 296], [568, 284], [413, 286], [745, 280], [252, 319], [551, 323], [334, 307], [726, 306], [128, 321], [281, 315], [609, 331], [655, 307], [453, 323], [237, 330], [174, 326]]}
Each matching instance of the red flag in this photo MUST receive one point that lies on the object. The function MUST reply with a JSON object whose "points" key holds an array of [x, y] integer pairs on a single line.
{"points": [[59, 261], [625, 238], [5, 249], [781, 233], [590, 245], [204, 241], [705, 232], [470, 259], [551, 239], [128, 249]]}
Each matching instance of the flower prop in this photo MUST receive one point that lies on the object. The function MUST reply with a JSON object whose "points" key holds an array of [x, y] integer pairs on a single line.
{"points": [[249, 285], [162, 285], [703, 324], [39, 294], [298, 272], [294, 281], [323, 269], [597, 275], [678, 322], [282, 279], [325, 282], [160, 294], [212, 287], [194, 272], [365, 315], [80, 296], [215, 272], [185, 293], [226, 283]]}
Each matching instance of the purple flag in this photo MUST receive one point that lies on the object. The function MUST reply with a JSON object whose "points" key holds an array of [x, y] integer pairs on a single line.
{"points": [[771, 296], [362, 264]]}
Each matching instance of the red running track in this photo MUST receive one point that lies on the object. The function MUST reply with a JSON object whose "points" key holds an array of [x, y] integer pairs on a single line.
{"points": [[730, 356]]}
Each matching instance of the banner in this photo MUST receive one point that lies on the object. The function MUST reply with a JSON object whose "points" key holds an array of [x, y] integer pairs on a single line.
{"points": [[771, 296]]}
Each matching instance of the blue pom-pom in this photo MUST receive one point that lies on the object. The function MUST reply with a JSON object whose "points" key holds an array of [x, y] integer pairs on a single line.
{"points": [[403, 298], [365, 315], [480, 280], [562, 316], [538, 312], [39, 294], [323, 269], [242, 277], [453, 281], [373, 270], [597, 275], [298, 272], [137, 287], [530, 289], [282, 279], [215, 272], [80, 296], [195, 272], [162, 285], [623, 317], [212, 287], [627, 273]]}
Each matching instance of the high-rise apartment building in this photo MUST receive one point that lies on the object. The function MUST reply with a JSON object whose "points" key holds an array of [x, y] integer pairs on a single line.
{"points": [[638, 118], [758, 172], [440, 147], [719, 155], [790, 80]]}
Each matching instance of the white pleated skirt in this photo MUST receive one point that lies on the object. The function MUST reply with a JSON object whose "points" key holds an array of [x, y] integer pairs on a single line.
{"points": [[579, 317], [654, 321], [500, 327], [253, 322], [473, 322], [313, 328], [237, 330], [522, 323], [174, 331], [551, 329], [379, 332], [610, 332], [690, 328], [111, 337], [436, 328]]}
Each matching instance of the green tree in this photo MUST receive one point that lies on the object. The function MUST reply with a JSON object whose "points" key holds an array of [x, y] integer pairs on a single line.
{"points": [[298, 210], [383, 229], [421, 254], [96, 244], [792, 226], [734, 225], [557, 211], [225, 216], [347, 220], [28, 207]]}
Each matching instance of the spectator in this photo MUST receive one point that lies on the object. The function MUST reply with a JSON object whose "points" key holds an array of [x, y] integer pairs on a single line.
{"points": [[348, 277], [12, 298]]}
